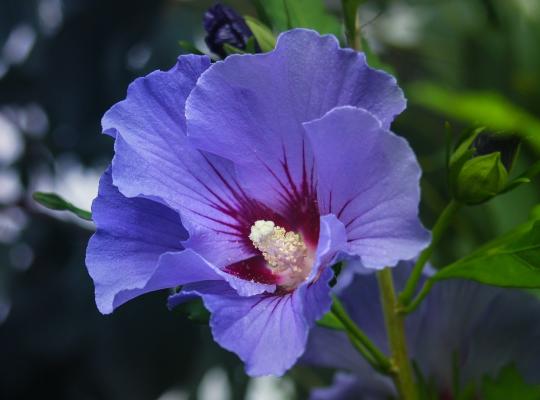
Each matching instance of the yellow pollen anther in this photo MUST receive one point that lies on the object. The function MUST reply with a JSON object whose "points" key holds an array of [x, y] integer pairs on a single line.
{"points": [[282, 250]]}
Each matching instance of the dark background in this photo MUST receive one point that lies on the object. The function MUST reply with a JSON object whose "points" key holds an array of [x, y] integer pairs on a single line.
{"points": [[63, 63]]}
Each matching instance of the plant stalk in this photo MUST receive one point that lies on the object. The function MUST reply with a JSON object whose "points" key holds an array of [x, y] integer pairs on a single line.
{"points": [[437, 233], [352, 23], [395, 329]]}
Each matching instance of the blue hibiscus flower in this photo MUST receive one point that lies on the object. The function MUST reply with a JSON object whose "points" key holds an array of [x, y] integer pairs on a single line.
{"points": [[245, 180]]}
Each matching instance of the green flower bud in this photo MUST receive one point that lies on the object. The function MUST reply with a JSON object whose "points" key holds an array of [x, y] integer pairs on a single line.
{"points": [[480, 179], [479, 167]]}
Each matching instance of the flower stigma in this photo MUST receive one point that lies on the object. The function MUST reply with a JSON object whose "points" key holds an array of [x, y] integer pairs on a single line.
{"points": [[284, 252]]}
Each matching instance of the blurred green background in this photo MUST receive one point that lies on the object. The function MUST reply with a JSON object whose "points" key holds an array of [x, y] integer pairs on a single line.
{"points": [[63, 63]]}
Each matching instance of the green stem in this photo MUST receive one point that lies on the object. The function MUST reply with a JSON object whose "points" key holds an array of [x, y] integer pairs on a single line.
{"points": [[395, 329], [367, 356], [352, 23], [414, 303], [438, 231], [360, 341]]}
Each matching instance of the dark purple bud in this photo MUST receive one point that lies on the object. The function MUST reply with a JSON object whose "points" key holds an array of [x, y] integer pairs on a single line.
{"points": [[487, 143], [224, 25]]}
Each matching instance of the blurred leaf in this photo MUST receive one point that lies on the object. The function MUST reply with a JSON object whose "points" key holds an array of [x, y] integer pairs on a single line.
{"points": [[251, 45], [427, 390], [449, 136], [55, 202], [330, 321], [229, 49], [535, 212], [509, 384], [468, 392], [509, 261], [264, 36], [524, 178], [485, 108], [189, 48], [195, 311], [286, 14], [250, 48]]}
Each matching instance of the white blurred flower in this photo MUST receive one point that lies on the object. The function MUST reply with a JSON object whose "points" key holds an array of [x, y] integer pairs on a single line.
{"points": [[10, 186], [399, 25], [214, 385], [12, 221], [30, 119], [138, 56], [19, 44], [50, 15], [21, 256], [269, 388], [174, 394], [11, 142]]}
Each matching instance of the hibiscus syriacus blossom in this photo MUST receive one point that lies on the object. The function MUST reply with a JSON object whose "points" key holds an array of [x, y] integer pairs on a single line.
{"points": [[245, 180], [451, 338]]}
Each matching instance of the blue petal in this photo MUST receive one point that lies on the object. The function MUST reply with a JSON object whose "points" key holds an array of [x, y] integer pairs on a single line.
{"points": [[123, 254], [369, 178], [250, 108], [154, 159], [187, 267]]}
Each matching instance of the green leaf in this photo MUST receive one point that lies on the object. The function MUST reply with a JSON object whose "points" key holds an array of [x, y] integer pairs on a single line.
{"points": [[330, 321], [509, 261], [516, 183], [229, 49], [461, 155], [524, 178], [189, 48], [463, 150], [449, 138], [55, 202], [264, 36], [484, 108], [195, 311], [535, 212], [287, 14], [509, 384], [250, 46]]}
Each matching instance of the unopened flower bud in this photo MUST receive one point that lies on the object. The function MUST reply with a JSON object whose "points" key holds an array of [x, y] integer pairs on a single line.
{"points": [[224, 25], [480, 165]]}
